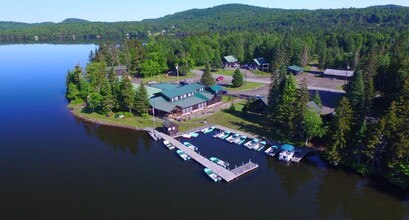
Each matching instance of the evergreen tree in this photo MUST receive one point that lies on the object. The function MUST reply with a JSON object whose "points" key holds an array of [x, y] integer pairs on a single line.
{"points": [[356, 94], [286, 110], [127, 94], [72, 92], [340, 131], [317, 98], [207, 78], [237, 80], [115, 88], [300, 106], [312, 125], [141, 100], [108, 100], [94, 101], [369, 71], [273, 95], [85, 89]]}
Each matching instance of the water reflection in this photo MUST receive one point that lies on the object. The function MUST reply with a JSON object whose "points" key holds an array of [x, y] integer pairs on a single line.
{"points": [[118, 138]]}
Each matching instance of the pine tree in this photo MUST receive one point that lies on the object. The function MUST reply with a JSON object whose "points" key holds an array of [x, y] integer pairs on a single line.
{"points": [[115, 88], [237, 78], [340, 131], [317, 98], [273, 95], [286, 110], [72, 92], [108, 100], [300, 106], [356, 94], [94, 101], [127, 94], [207, 78], [141, 100], [369, 71]]}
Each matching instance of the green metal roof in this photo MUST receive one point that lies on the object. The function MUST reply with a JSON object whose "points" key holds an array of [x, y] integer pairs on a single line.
{"points": [[204, 95], [178, 91], [187, 102], [151, 90], [215, 88], [295, 68], [196, 86], [230, 59], [165, 86], [161, 104]]}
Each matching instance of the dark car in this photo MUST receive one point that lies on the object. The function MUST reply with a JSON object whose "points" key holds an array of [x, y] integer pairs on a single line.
{"points": [[220, 78]]}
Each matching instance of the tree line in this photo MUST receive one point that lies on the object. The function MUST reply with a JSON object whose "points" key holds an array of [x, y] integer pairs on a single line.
{"points": [[104, 92], [370, 129]]}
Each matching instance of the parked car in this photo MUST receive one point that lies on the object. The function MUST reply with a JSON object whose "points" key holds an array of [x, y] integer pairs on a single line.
{"points": [[220, 78]]}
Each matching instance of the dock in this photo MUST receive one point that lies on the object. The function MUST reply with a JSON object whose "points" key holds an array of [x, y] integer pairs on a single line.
{"points": [[227, 175], [299, 155]]}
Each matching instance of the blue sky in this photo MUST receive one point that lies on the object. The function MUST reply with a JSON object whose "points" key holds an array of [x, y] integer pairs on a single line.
{"points": [[33, 11]]}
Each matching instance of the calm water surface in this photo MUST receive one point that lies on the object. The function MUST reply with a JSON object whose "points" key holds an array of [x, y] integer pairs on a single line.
{"points": [[53, 166]]}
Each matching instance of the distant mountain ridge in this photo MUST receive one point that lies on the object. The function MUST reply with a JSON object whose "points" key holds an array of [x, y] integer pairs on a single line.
{"points": [[223, 18]]}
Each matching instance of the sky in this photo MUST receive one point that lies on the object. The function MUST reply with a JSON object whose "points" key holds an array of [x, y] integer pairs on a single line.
{"points": [[33, 11]]}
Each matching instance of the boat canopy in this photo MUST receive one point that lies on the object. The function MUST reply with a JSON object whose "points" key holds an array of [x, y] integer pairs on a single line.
{"points": [[288, 147]]}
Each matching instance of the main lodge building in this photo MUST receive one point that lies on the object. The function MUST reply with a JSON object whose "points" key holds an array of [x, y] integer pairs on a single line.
{"points": [[173, 99]]}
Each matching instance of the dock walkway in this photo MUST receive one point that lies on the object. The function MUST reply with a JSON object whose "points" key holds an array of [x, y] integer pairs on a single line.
{"points": [[227, 175], [298, 156]]}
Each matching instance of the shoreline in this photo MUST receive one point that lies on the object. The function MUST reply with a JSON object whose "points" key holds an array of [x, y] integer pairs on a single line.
{"points": [[105, 123]]}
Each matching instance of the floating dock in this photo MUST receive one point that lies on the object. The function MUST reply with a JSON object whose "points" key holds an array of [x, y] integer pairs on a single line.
{"points": [[227, 175], [299, 155]]}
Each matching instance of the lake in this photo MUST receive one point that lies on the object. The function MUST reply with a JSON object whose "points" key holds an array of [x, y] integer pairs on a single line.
{"points": [[54, 166]]}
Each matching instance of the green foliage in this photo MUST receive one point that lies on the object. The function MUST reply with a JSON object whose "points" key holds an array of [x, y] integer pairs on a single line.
{"points": [[237, 80], [232, 108], [317, 98], [72, 92], [207, 78], [126, 94], [340, 131], [356, 94], [94, 100], [312, 125], [141, 100]]}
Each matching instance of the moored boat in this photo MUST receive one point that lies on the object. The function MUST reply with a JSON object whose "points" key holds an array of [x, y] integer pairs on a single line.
{"points": [[260, 146], [189, 145], [193, 134], [219, 162], [224, 135], [218, 134], [183, 155], [272, 151], [240, 140], [212, 175], [168, 145], [187, 136], [209, 129], [232, 138], [287, 152], [251, 144]]}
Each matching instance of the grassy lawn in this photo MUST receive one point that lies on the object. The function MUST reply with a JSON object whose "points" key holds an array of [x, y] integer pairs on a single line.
{"points": [[248, 86], [134, 121], [166, 78], [252, 123], [227, 98]]}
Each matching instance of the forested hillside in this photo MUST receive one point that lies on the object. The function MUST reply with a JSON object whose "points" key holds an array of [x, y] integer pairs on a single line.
{"points": [[225, 18]]}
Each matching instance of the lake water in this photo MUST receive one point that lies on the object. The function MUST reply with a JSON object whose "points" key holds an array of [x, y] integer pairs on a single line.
{"points": [[54, 166]]}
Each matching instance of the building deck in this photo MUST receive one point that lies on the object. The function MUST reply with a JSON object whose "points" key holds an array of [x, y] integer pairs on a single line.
{"points": [[227, 175]]}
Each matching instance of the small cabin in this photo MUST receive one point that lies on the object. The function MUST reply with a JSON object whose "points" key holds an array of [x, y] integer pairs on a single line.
{"points": [[295, 70], [170, 128]]}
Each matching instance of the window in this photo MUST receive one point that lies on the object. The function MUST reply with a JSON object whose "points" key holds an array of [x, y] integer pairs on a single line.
{"points": [[184, 96]]}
